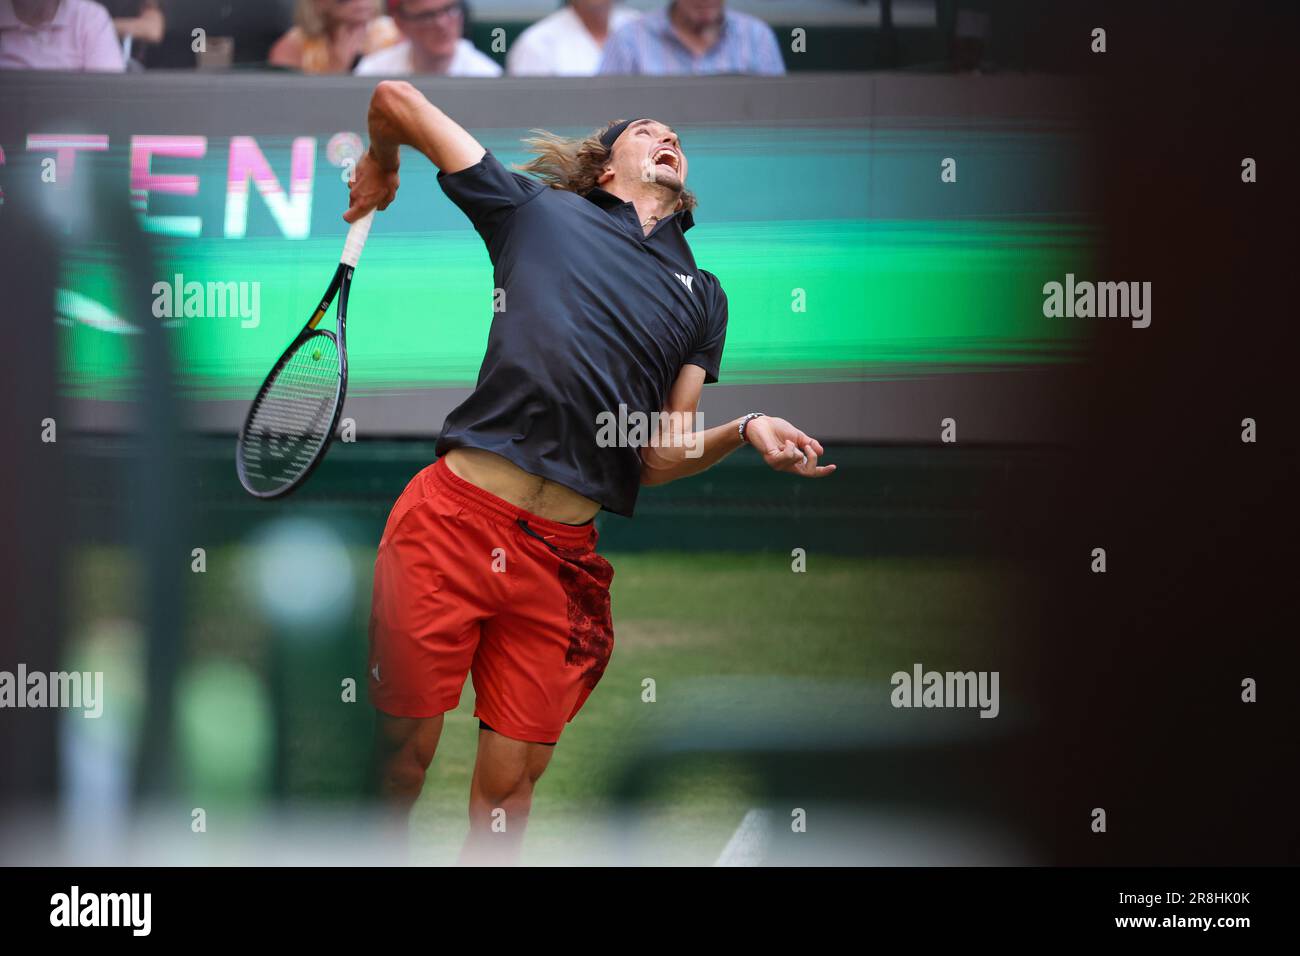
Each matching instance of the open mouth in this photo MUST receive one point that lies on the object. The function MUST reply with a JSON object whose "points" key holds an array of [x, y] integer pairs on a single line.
{"points": [[666, 156]]}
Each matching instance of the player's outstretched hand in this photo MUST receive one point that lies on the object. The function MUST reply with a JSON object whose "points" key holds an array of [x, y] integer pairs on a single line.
{"points": [[372, 187], [786, 448]]}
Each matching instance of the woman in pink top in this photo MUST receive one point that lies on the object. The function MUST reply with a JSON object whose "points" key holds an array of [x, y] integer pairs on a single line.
{"points": [[331, 36], [58, 35]]}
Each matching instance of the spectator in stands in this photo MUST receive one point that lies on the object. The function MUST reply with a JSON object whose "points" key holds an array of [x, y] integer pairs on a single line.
{"points": [[332, 36], [137, 22], [137, 19], [694, 37], [435, 43], [248, 29], [567, 42], [58, 35]]}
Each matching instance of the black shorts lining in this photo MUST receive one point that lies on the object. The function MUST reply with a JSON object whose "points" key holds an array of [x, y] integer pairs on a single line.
{"points": [[482, 725]]}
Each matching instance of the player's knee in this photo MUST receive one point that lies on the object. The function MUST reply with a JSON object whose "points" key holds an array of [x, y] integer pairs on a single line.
{"points": [[403, 775], [515, 792], [534, 774], [403, 751]]}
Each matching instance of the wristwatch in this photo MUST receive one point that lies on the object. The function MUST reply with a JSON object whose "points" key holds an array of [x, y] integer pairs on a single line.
{"points": [[744, 422]]}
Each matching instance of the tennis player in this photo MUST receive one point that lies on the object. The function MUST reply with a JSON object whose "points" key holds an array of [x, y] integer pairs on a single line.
{"points": [[488, 565]]}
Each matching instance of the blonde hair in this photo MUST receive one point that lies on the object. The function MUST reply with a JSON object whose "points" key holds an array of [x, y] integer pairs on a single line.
{"points": [[307, 16], [575, 165]]}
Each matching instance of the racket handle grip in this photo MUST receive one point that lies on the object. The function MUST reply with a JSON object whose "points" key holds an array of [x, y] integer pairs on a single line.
{"points": [[357, 239]]}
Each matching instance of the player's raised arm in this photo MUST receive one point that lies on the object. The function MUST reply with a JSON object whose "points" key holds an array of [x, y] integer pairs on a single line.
{"points": [[679, 450], [401, 116]]}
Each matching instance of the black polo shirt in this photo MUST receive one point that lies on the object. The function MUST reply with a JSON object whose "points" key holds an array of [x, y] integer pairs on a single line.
{"points": [[596, 315]]}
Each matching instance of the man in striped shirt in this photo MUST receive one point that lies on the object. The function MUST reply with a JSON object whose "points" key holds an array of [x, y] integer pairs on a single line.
{"points": [[693, 37]]}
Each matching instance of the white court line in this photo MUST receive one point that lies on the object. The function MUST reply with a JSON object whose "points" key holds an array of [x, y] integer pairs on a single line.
{"points": [[748, 845]]}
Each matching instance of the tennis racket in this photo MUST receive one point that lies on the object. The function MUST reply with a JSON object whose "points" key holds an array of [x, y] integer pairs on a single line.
{"points": [[292, 420]]}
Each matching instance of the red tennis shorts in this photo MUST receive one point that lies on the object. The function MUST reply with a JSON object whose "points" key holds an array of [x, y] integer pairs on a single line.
{"points": [[466, 583]]}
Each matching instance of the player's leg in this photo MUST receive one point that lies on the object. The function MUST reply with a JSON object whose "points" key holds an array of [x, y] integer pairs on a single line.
{"points": [[425, 619], [501, 796], [536, 662], [404, 748]]}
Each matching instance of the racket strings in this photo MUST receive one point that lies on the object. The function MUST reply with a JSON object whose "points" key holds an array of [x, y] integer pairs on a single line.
{"points": [[292, 419]]}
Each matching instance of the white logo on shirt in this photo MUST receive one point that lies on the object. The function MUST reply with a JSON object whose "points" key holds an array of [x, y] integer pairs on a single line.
{"points": [[686, 281]]}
